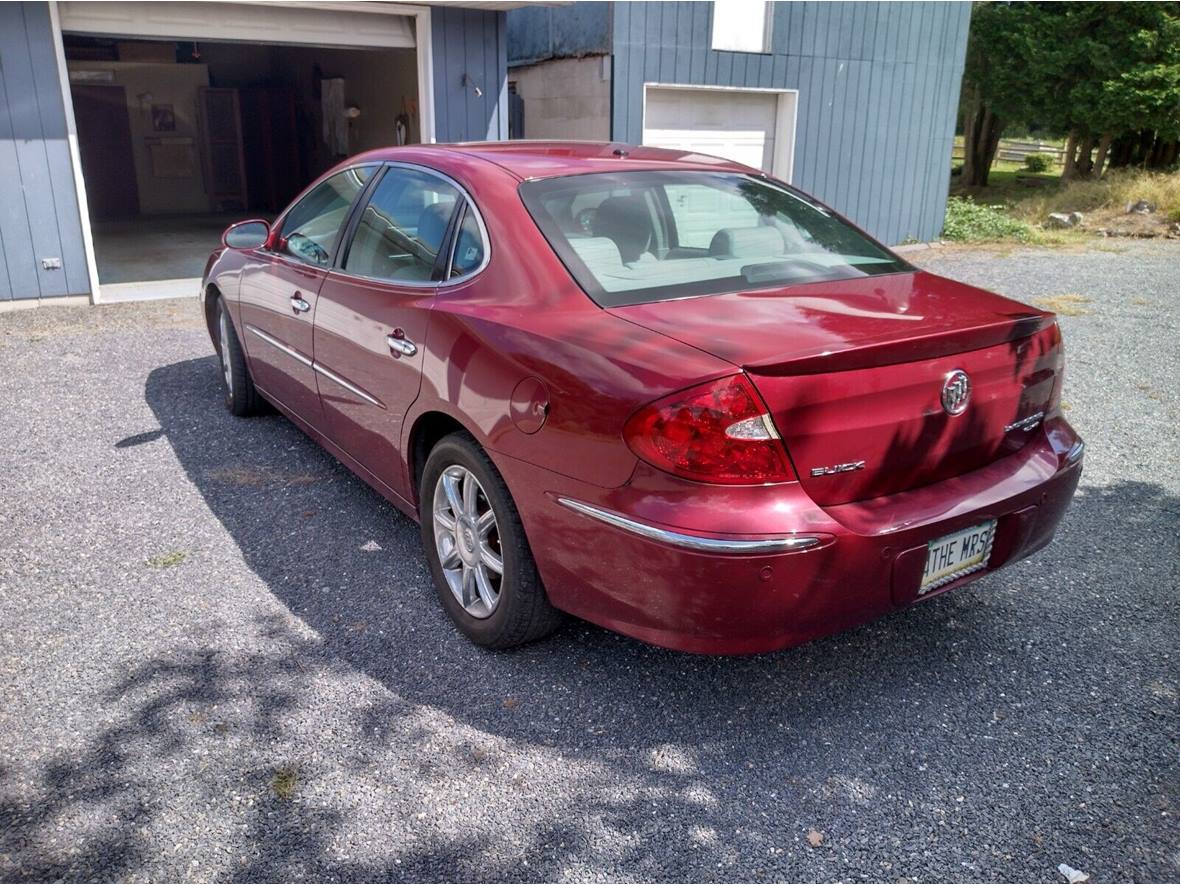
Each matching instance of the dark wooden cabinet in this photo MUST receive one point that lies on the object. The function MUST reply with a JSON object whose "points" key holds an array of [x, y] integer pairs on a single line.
{"points": [[271, 140], [104, 142]]}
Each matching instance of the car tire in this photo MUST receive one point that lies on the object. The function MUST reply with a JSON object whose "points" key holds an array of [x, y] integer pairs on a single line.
{"points": [[521, 611], [241, 397]]}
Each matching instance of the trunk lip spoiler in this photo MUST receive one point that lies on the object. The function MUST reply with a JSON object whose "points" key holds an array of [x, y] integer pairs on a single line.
{"points": [[892, 351]]}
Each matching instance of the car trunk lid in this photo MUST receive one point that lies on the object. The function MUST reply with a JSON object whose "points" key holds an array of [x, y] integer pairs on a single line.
{"points": [[853, 374]]}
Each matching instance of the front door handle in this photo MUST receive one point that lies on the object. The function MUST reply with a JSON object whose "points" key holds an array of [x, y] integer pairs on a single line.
{"points": [[401, 345], [298, 304]]}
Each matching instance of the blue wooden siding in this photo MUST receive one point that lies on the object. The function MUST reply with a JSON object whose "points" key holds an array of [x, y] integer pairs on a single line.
{"points": [[878, 92], [537, 33], [471, 43], [39, 215]]}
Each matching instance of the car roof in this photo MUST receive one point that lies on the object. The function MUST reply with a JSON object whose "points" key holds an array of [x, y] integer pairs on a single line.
{"points": [[546, 159]]}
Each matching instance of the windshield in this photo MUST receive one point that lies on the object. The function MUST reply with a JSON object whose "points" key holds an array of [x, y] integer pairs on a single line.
{"points": [[633, 237]]}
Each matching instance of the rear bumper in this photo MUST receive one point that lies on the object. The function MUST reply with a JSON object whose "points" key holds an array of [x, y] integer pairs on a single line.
{"points": [[730, 570]]}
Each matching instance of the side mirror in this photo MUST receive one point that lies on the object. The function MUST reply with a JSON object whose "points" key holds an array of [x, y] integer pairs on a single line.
{"points": [[246, 234]]}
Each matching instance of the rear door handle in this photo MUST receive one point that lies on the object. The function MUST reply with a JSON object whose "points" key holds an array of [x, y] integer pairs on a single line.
{"points": [[401, 345], [298, 304]]}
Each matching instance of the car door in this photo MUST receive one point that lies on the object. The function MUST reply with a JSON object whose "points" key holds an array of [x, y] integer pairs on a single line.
{"points": [[279, 287], [373, 314]]}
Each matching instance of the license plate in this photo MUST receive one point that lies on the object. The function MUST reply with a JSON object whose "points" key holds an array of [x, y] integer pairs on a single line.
{"points": [[952, 556]]}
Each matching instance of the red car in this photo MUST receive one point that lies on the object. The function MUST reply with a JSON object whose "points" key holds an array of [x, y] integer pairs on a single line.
{"points": [[659, 391]]}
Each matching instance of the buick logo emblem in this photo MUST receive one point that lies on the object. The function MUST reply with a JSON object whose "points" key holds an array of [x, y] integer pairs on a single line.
{"points": [[956, 392]]}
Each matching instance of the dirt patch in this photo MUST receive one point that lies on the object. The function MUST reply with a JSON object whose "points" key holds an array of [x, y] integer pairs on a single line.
{"points": [[1112, 223], [1068, 305], [241, 475], [167, 560]]}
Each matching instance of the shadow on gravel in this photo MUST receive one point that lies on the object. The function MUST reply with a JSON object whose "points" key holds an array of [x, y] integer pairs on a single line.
{"points": [[885, 727]]}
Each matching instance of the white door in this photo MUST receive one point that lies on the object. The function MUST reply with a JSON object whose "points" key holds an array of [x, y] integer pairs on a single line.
{"points": [[747, 126]]}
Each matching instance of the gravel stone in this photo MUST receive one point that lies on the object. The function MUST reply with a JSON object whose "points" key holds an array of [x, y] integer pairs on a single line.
{"points": [[222, 659]]}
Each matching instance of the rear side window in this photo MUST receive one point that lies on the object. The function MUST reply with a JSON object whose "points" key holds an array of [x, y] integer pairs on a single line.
{"points": [[310, 229], [469, 246], [633, 237], [401, 229]]}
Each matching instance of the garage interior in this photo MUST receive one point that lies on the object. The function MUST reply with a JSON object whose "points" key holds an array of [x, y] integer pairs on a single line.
{"points": [[177, 139]]}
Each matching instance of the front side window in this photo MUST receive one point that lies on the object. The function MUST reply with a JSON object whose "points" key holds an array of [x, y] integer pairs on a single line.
{"points": [[309, 231], [401, 230], [632, 237]]}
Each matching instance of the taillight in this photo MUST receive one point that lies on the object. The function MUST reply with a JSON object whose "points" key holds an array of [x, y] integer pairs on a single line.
{"points": [[717, 432], [1058, 371]]}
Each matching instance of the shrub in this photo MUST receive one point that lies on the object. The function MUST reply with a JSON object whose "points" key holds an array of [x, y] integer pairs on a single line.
{"points": [[1037, 163], [968, 221]]}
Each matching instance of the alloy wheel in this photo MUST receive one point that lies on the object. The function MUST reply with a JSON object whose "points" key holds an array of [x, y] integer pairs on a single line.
{"points": [[223, 334], [468, 541]]}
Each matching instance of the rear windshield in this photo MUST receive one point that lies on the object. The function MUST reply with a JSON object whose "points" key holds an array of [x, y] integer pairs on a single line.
{"points": [[633, 237]]}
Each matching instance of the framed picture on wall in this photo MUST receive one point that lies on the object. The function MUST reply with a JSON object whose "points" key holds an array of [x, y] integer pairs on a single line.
{"points": [[163, 118]]}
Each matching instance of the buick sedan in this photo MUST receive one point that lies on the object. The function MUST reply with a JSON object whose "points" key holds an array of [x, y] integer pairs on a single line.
{"points": [[659, 391]]}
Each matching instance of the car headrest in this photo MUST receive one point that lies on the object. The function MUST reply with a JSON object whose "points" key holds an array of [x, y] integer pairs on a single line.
{"points": [[597, 253], [627, 221], [746, 242], [432, 224]]}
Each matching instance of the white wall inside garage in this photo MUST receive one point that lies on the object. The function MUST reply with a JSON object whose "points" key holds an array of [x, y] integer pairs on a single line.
{"points": [[170, 84]]}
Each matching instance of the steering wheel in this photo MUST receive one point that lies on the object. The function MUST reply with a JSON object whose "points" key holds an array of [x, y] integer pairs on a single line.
{"points": [[585, 220], [305, 247]]}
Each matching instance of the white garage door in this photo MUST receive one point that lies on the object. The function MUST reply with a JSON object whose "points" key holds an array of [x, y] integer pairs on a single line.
{"points": [[249, 22], [751, 127]]}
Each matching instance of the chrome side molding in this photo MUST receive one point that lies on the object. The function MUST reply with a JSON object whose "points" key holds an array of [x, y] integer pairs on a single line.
{"points": [[315, 367], [690, 542], [274, 342], [352, 388], [1075, 452]]}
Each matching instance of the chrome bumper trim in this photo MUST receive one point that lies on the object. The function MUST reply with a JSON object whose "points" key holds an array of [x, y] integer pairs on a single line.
{"points": [[690, 542], [1075, 452]]}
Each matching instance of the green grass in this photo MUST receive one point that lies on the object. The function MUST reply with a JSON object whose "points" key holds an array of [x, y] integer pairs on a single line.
{"points": [[1009, 180]]}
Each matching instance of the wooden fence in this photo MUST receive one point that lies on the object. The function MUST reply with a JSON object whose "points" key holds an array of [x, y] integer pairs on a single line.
{"points": [[1016, 151]]}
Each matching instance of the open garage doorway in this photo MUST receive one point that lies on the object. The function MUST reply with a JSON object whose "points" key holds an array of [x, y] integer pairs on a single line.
{"points": [[177, 138]]}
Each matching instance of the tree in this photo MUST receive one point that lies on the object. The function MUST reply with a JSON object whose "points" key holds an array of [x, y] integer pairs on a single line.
{"points": [[1105, 76], [982, 125]]}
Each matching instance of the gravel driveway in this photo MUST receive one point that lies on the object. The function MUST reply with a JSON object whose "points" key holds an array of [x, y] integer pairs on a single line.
{"points": [[221, 658]]}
